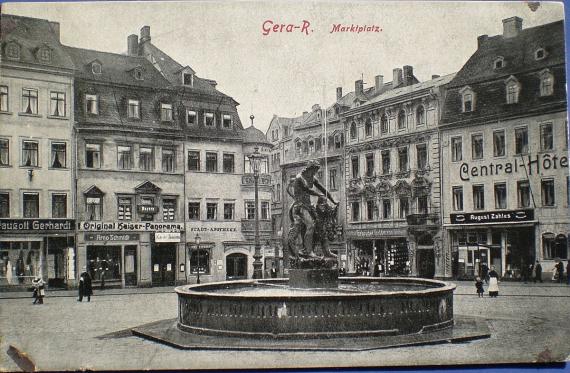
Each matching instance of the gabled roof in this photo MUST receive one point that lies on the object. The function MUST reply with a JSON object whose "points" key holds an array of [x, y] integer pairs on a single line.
{"points": [[93, 190], [147, 187]]}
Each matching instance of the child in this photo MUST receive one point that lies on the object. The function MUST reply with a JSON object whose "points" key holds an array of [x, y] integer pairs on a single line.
{"points": [[479, 287]]}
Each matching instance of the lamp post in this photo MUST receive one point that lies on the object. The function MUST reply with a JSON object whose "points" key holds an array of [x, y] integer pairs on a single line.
{"points": [[198, 239], [255, 160]]}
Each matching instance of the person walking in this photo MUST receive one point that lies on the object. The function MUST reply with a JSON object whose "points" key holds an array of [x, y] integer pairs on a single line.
{"points": [[493, 283], [39, 290], [537, 272], [479, 287], [560, 270], [85, 286]]}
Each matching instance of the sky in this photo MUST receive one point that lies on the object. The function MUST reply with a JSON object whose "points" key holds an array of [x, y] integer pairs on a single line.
{"points": [[286, 73]]}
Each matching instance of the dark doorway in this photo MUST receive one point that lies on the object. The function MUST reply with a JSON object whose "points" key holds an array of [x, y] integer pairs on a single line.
{"points": [[236, 266], [163, 264], [131, 265], [426, 263]]}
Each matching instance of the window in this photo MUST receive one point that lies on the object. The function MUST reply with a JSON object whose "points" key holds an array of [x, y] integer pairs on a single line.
{"points": [[278, 193], [370, 164], [194, 210], [30, 101], [421, 153], [228, 163], [211, 211], [338, 141], [168, 209], [370, 206], [403, 159], [546, 137], [146, 158], [187, 79], [4, 152], [264, 210], [125, 208], [467, 99], [31, 205], [523, 193], [3, 98], [4, 205], [229, 209], [96, 68], [385, 162], [546, 84], [539, 54], [211, 162], [134, 109], [457, 198], [512, 92], [92, 155], [521, 140], [499, 143], [386, 209], [94, 208], [420, 116], [91, 104], [166, 112], [368, 128], [554, 247], [456, 149], [355, 170], [318, 143], [193, 160], [13, 51], [384, 128], [191, 117], [355, 208], [353, 130], [548, 192], [30, 153], [404, 207], [209, 119], [200, 261], [423, 207], [477, 146], [311, 146], [124, 157], [499, 63], [478, 197], [332, 179], [168, 160], [138, 74], [501, 196], [57, 104], [226, 121], [285, 131], [249, 210], [401, 119], [58, 155], [58, 206]]}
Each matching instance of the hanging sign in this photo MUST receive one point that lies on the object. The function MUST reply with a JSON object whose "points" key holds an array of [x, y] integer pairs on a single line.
{"points": [[505, 216]]}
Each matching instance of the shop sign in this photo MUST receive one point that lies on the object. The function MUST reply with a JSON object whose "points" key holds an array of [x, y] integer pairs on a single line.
{"points": [[507, 216], [17, 225], [147, 209], [96, 226], [167, 237], [116, 236], [376, 233]]}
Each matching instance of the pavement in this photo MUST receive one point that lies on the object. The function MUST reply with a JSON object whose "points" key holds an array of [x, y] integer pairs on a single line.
{"points": [[528, 323]]}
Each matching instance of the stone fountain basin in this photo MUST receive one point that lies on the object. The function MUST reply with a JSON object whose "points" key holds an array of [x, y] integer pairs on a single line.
{"points": [[361, 306]]}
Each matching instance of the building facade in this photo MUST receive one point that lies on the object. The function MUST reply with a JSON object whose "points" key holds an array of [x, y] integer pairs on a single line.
{"points": [[37, 225], [505, 144]]}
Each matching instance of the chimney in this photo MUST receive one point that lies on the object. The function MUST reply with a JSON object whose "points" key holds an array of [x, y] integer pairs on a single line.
{"points": [[512, 27], [55, 29], [435, 76], [338, 93], [133, 45], [481, 39], [408, 75], [396, 77], [145, 34], [378, 82], [359, 87]]}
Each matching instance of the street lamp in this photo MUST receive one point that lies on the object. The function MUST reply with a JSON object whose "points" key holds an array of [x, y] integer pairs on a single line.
{"points": [[255, 160], [197, 239]]}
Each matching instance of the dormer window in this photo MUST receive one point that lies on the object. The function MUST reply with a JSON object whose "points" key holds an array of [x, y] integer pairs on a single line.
{"points": [[513, 88], [467, 99], [96, 68], [209, 119], [499, 63], [138, 74], [546, 83], [44, 54], [227, 121], [12, 51], [539, 54], [166, 112], [188, 79]]}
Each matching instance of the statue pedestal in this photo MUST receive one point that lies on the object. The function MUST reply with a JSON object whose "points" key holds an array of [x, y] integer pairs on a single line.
{"points": [[313, 278]]}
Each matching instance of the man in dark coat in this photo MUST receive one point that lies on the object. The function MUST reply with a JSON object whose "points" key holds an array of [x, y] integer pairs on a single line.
{"points": [[485, 272], [560, 270], [85, 287], [538, 272]]}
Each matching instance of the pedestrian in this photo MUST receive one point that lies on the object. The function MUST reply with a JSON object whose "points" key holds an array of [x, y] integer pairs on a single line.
{"points": [[479, 287], [39, 290], [560, 270], [376, 272], [493, 283], [537, 272], [568, 271], [273, 271], [85, 287], [485, 272]]}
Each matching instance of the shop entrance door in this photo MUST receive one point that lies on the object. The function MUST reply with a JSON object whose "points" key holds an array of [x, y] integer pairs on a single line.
{"points": [[131, 265], [426, 263], [163, 264], [236, 266]]}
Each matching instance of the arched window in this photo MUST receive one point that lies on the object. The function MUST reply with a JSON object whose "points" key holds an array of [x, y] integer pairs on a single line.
{"points": [[499, 63], [311, 146], [298, 147], [384, 124], [401, 119], [420, 116], [352, 130], [368, 128], [467, 99]]}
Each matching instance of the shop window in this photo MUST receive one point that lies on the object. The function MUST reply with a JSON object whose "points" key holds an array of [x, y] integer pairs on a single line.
{"points": [[91, 104], [211, 162], [200, 261], [133, 110], [385, 162], [4, 205], [191, 117], [228, 163], [30, 153], [30, 101], [169, 209], [264, 210], [94, 208], [227, 121], [423, 205], [229, 211], [403, 159], [420, 116], [404, 207], [521, 140], [554, 247], [523, 194], [370, 207], [166, 112], [59, 205], [355, 167], [4, 152], [211, 211], [93, 155], [57, 104], [194, 210], [386, 209], [355, 208], [478, 197], [548, 197], [368, 128], [499, 143], [4, 98], [546, 137], [125, 208], [457, 198], [146, 158], [401, 119], [193, 160], [501, 196], [209, 119], [477, 146], [352, 130], [421, 155], [168, 163], [104, 262], [370, 164], [456, 149], [124, 157], [333, 179], [250, 210]]}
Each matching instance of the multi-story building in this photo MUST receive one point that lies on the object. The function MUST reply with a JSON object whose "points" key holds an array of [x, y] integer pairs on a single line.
{"points": [[392, 167], [505, 146], [36, 154]]}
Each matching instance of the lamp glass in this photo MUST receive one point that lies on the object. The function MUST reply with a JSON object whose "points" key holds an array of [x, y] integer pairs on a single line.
{"points": [[198, 239]]}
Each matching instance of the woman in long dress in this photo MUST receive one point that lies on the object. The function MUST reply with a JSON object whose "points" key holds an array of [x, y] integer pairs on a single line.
{"points": [[493, 283]]}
